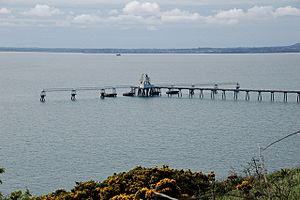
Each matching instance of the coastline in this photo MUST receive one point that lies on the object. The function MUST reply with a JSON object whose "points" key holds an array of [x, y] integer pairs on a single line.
{"points": [[295, 48]]}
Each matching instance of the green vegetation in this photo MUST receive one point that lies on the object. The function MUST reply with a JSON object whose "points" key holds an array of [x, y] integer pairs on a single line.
{"points": [[139, 183], [280, 185], [1, 171], [149, 183]]}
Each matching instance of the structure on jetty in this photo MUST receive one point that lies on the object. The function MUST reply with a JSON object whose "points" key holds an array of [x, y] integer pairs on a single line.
{"points": [[146, 89]]}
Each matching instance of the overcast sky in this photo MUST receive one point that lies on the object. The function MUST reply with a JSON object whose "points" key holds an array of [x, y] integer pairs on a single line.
{"points": [[148, 24]]}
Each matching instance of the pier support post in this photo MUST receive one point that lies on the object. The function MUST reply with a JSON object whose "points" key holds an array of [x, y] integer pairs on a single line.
{"points": [[43, 95], [259, 96], [191, 93], [298, 97], [216, 89], [247, 97], [179, 93], [212, 94], [201, 94], [223, 95], [235, 95], [151, 92], [102, 94], [139, 92], [285, 97], [272, 97], [169, 91], [73, 95], [132, 90]]}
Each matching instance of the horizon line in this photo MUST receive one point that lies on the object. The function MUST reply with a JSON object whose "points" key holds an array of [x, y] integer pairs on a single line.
{"points": [[154, 48]]}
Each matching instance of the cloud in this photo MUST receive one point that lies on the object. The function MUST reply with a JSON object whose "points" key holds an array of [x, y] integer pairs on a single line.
{"points": [[148, 14], [141, 8], [5, 11], [42, 11], [86, 19], [126, 19], [287, 11], [176, 15], [227, 17], [260, 12], [229, 14], [256, 13], [162, 2]]}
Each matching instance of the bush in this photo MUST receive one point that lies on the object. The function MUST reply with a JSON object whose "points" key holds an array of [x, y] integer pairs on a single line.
{"points": [[168, 186], [142, 183], [138, 183]]}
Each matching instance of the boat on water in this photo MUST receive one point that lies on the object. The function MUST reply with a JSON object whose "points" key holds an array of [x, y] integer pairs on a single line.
{"points": [[110, 95], [144, 89], [118, 54], [103, 94], [129, 94]]}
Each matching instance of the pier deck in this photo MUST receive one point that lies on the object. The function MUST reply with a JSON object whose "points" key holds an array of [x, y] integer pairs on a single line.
{"points": [[146, 89], [177, 90]]}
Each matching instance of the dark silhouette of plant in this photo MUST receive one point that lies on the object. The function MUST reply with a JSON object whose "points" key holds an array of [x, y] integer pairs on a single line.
{"points": [[18, 195], [1, 171], [168, 186]]}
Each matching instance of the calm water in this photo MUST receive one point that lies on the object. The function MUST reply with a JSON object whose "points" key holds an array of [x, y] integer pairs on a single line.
{"points": [[48, 146]]}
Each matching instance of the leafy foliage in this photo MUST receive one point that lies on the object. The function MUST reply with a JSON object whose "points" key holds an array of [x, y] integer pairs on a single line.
{"points": [[17, 195], [1, 171], [147, 183], [139, 183], [136, 181], [283, 184]]}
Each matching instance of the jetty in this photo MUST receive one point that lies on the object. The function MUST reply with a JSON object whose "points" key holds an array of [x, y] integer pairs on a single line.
{"points": [[146, 89]]}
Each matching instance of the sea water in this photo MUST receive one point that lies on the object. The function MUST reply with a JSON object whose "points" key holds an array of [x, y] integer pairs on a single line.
{"points": [[46, 146]]}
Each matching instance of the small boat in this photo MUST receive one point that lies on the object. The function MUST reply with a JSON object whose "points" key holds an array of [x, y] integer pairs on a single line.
{"points": [[129, 94], [110, 95], [118, 54], [103, 94], [172, 92]]}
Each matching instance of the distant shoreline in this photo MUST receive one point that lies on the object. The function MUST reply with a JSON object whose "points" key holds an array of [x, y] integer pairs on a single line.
{"points": [[295, 48]]}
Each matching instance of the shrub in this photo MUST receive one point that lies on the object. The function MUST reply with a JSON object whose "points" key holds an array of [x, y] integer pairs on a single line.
{"points": [[168, 186]]}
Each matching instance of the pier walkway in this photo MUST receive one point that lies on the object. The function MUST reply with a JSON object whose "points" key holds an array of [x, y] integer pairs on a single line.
{"points": [[146, 89], [236, 92]]}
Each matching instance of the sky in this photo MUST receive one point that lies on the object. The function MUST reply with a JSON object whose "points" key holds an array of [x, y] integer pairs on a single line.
{"points": [[148, 23]]}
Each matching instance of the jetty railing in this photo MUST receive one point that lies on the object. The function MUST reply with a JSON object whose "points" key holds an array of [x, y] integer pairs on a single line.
{"points": [[236, 92]]}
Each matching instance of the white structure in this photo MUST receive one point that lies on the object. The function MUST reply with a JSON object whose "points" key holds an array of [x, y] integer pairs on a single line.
{"points": [[145, 82], [146, 89]]}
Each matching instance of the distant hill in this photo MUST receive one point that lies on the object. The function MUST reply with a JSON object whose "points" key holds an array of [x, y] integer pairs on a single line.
{"points": [[295, 48]]}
